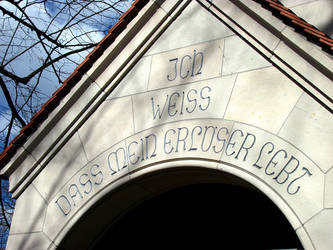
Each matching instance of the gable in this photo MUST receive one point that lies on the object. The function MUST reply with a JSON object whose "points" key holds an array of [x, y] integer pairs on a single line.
{"points": [[212, 85]]}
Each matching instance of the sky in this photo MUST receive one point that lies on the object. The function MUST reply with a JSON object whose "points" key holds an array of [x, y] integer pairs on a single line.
{"points": [[28, 61]]}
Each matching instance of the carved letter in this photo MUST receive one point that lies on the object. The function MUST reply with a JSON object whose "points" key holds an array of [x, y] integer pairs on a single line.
{"points": [[220, 139], [205, 97], [86, 182], [73, 195], [169, 142], [64, 204], [211, 138], [191, 100], [232, 144], [147, 145], [248, 135], [173, 106], [274, 163], [183, 139], [132, 154], [158, 111], [283, 170], [181, 67], [261, 150], [292, 182], [168, 76], [192, 138], [115, 154], [98, 175], [195, 54]]}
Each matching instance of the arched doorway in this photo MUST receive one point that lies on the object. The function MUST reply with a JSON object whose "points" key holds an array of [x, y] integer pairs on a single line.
{"points": [[187, 206], [210, 215]]}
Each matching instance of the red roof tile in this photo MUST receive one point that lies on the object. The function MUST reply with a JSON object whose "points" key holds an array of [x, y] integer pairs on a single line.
{"points": [[275, 6], [300, 25]]}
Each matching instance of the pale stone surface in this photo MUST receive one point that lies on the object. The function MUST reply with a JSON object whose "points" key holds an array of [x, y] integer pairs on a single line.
{"points": [[315, 51], [280, 165], [107, 67], [263, 98], [310, 128], [304, 238], [193, 63], [90, 180], [190, 28], [28, 241], [29, 212], [320, 228], [249, 23], [136, 81], [329, 189], [261, 13], [22, 170], [236, 49], [169, 6], [318, 13], [61, 117], [308, 71], [62, 166], [110, 123], [205, 99]]}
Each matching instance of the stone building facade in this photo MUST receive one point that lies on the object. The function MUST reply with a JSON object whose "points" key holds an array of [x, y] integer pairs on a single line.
{"points": [[181, 93]]}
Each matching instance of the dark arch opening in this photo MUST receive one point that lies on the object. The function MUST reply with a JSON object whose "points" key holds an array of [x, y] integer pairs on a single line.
{"points": [[209, 215]]}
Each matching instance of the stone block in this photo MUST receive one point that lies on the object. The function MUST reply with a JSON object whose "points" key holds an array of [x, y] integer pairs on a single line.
{"points": [[329, 189], [190, 64], [305, 68], [190, 28], [263, 98], [235, 48], [110, 123], [320, 228], [318, 13], [304, 238], [273, 22], [248, 20], [67, 162], [61, 118], [29, 212], [36, 241], [27, 161], [136, 81], [108, 171], [205, 99], [188, 139], [277, 163], [310, 128]]}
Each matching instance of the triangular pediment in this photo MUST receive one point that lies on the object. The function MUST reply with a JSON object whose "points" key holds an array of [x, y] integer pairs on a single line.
{"points": [[182, 61], [225, 86]]}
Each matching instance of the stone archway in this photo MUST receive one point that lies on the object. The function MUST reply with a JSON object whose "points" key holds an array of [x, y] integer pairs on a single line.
{"points": [[207, 215], [173, 182]]}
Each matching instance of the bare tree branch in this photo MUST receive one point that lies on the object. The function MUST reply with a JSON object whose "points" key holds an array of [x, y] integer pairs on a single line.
{"points": [[31, 27], [10, 103]]}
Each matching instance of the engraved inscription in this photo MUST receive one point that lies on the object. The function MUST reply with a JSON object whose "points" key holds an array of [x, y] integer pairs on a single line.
{"points": [[269, 160], [181, 102], [186, 66], [79, 189]]}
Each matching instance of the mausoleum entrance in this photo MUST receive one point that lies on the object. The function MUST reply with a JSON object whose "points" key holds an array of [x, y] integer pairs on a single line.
{"points": [[221, 210]]}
